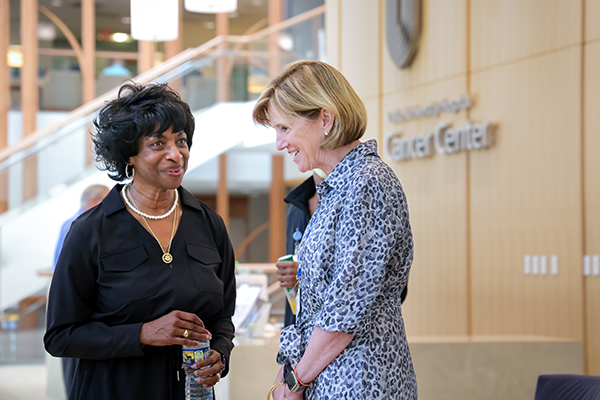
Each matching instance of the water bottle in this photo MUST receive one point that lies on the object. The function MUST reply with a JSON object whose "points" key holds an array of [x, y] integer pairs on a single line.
{"points": [[191, 355], [290, 293]]}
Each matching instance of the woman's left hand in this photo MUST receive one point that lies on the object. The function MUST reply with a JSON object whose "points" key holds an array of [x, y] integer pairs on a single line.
{"points": [[209, 370], [282, 392], [289, 395]]}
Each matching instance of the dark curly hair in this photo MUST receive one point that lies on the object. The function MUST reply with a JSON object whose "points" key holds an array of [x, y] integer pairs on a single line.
{"points": [[139, 110]]}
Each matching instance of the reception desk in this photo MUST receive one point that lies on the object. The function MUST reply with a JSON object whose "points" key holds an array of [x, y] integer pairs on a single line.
{"points": [[452, 368], [490, 367]]}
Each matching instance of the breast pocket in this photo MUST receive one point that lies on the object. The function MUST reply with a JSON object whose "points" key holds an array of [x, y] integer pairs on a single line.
{"points": [[125, 277], [204, 264]]}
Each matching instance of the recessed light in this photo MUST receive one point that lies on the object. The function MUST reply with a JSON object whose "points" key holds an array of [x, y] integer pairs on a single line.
{"points": [[120, 37]]}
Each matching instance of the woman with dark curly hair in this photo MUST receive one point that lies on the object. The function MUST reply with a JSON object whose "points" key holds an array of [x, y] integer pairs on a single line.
{"points": [[149, 269]]}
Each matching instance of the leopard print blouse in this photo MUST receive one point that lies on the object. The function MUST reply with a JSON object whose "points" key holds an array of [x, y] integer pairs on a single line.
{"points": [[355, 257]]}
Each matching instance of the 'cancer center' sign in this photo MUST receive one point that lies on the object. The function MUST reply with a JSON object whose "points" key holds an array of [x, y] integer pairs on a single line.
{"points": [[444, 140]]}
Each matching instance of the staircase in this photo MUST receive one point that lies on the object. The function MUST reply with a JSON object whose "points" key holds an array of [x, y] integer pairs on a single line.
{"points": [[57, 152]]}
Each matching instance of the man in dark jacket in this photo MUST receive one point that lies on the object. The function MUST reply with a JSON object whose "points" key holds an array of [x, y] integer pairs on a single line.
{"points": [[303, 203]]}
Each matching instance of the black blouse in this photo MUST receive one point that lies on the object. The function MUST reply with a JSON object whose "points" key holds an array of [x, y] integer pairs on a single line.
{"points": [[110, 279]]}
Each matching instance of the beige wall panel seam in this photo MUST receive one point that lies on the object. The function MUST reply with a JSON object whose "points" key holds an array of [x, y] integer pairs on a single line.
{"points": [[468, 279], [425, 84], [586, 354], [380, 77], [340, 35], [591, 41], [525, 58]]}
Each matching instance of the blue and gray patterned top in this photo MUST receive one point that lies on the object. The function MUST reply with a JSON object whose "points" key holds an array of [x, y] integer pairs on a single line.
{"points": [[355, 258]]}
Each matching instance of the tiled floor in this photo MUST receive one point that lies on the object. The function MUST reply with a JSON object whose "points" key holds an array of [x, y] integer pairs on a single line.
{"points": [[23, 382], [22, 365], [22, 347]]}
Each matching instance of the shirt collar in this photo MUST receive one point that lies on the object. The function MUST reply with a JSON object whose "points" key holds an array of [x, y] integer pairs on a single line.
{"points": [[338, 177], [300, 195]]}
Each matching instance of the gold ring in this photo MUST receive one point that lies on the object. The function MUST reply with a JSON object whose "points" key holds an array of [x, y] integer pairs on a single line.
{"points": [[186, 333], [218, 376]]}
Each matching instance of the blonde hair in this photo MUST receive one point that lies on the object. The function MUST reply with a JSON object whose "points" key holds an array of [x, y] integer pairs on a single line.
{"points": [[303, 89]]}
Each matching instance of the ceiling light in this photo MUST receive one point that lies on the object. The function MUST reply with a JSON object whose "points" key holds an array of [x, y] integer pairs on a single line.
{"points": [[14, 57], [155, 20], [286, 41], [46, 31], [211, 6], [120, 37]]}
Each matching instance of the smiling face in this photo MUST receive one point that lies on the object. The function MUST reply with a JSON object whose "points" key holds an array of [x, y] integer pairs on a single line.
{"points": [[301, 138], [162, 160]]}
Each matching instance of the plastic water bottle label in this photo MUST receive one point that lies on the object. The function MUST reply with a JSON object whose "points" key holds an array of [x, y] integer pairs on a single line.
{"points": [[192, 355]]}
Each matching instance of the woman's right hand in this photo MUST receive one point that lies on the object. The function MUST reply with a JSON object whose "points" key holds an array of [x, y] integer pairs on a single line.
{"points": [[170, 329]]}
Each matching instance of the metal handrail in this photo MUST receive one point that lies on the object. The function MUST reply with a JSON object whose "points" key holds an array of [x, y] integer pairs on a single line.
{"points": [[8, 156]]}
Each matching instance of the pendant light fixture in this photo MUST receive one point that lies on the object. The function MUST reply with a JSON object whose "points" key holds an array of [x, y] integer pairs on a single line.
{"points": [[155, 20], [211, 6]]}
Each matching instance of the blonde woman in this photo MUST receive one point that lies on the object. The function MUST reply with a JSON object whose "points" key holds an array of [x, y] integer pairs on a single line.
{"points": [[348, 341]]}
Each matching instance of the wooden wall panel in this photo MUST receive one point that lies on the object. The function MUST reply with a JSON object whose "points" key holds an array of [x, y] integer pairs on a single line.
{"points": [[359, 30], [442, 49], [526, 197], [372, 132], [332, 24], [592, 19], [436, 193], [507, 30], [592, 200]]}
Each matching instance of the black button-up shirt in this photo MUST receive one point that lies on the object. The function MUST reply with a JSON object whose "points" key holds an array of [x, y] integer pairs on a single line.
{"points": [[110, 279]]}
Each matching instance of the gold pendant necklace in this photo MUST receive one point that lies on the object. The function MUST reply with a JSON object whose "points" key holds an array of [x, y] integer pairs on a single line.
{"points": [[167, 257]]}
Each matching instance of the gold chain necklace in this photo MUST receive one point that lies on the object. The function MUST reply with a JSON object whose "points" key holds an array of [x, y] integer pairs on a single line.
{"points": [[167, 257]]}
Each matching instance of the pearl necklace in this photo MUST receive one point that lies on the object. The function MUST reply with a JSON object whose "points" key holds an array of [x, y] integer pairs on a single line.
{"points": [[143, 214], [167, 257]]}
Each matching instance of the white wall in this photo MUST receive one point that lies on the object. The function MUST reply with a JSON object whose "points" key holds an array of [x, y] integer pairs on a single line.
{"points": [[28, 239]]}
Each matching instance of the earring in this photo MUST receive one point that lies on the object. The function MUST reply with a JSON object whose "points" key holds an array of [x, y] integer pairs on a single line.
{"points": [[326, 133], [127, 172]]}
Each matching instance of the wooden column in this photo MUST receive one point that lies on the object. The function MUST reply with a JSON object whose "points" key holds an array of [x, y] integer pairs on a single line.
{"points": [[222, 27], [145, 55], [275, 16], [4, 97], [223, 190], [277, 193], [276, 210], [174, 47], [88, 43], [88, 69], [29, 88]]}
